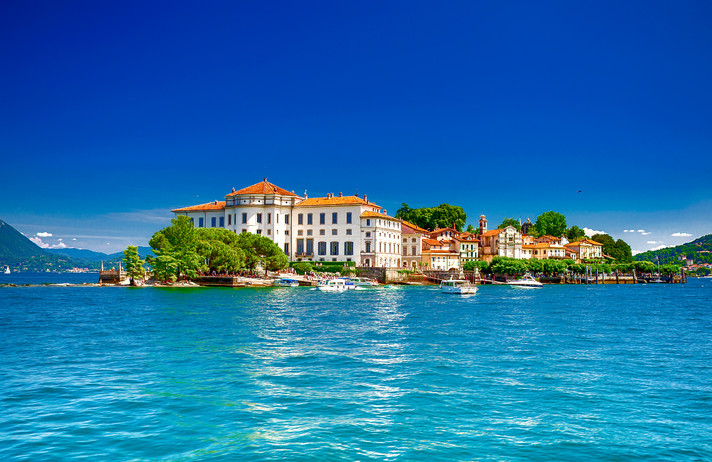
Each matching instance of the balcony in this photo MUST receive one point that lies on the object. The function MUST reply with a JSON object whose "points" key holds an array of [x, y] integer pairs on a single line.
{"points": [[304, 254]]}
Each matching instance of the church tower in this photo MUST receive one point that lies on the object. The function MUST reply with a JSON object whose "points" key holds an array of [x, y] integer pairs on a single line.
{"points": [[483, 225]]}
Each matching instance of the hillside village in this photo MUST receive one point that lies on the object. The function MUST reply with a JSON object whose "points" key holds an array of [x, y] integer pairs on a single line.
{"points": [[354, 229]]}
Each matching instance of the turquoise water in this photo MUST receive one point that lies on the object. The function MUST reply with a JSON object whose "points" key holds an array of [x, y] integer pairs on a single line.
{"points": [[561, 373]]}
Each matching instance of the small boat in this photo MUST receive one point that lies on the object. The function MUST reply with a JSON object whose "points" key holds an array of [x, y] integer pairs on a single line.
{"points": [[336, 285], [364, 282], [7, 270], [526, 281], [285, 282], [457, 286]]}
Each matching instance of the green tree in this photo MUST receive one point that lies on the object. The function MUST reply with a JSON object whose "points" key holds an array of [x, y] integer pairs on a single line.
{"points": [[575, 234], [175, 247], [442, 216], [261, 249], [535, 265], [619, 250], [505, 265], [220, 250], [471, 229], [133, 264], [510, 222], [551, 223], [477, 264]]}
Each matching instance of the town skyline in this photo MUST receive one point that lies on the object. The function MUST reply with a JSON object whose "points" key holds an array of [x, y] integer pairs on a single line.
{"points": [[116, 115]]}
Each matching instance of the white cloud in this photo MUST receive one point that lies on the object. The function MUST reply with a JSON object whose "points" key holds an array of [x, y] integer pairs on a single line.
{"points": [[661, 246], [591, 232], [653, 242], [641, 230], [681, 235], [74, 238], [646, 233], [636, 252], [44, 234], [45, 245]]}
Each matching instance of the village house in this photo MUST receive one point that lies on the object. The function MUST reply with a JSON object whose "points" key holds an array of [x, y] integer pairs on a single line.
{"points": [[505, 242], [543, 250], [469, 247], [440, 255], [412, 244], [586, 249]]}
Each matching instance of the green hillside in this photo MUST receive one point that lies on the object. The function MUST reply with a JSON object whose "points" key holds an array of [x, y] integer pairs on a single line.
{"points": [[700, 250], [14, 245]]}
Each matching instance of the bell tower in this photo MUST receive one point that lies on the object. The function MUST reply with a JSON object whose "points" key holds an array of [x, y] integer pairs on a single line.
{"points": [[483, 225]]}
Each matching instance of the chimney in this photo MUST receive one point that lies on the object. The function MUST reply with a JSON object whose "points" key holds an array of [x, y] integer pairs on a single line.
{"points": [[385, 212], [341, 194], [215, 202], [365, 198], [233, 189]]}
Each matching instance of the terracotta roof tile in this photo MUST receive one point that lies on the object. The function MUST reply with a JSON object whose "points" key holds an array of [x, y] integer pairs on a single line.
{"points": [[413, 227], [371, 214], [493, 232], [336, 200], [263, 187], [215, 205], [583, 241]]}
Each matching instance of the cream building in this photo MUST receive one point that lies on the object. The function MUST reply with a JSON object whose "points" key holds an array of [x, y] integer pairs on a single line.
{"points": [[412, 245], [331, 228], [586, 249]]}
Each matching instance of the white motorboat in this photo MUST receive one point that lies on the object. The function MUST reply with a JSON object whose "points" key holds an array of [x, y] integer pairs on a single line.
{"points": [[526, 281], [457, 286], [336, 285], [286, 282], [364, 282]]}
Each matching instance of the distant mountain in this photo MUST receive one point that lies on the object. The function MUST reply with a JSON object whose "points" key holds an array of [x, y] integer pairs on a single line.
{"points": [[14, 245], [80, 254], [96, 257], [700, 250]]}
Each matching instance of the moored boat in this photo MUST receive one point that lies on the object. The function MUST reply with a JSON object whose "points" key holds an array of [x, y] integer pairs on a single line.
{"points": [[336, 285], [364, 282], [286, 282], [7, 270], [526, 281], [457, 286]]}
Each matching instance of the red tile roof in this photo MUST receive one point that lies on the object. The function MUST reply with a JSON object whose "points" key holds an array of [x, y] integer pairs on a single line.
{"points": [[432, 241], [215, 205], [335, 200], [494, 232], [263, 187], [371, 214], [413, 228], [583, 241]]}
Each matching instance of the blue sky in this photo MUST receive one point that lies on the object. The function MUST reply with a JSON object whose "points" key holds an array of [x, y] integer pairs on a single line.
{"points": [[114, 114]]}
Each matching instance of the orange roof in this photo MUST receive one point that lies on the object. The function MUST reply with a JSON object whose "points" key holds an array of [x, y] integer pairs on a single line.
{"points": [[441, 251], [494, 232], [413, 227], [335, 200], [583, 241], [370, 214], [539, 245], [263, 187], [215, 205], [469, 237], [432, 241]]}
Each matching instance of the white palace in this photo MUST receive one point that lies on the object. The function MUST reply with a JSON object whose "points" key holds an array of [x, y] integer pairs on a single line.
{"points": [[331, 228]]}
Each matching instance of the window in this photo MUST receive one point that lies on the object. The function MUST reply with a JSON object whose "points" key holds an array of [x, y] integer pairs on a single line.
{"points": [[322, 218], [244, 231], [269, 218], [200, 222], [286, 219], [309, 232], [300, 219], [405, 251], [348, 232], [259, 231], [259, 218], [213, 220], [334, 232], [322, 248], [368, 247], [269, 231], [334, 248], [368, 222], [222, 222], [286, 248], [300, 232], [310, 246], [322, 232], [405, 239], [286, 232], [348, 248], [348, 218], [300, 246], [309, 218], [334, 218], [229, 220], [244, 218], [368, 233]]}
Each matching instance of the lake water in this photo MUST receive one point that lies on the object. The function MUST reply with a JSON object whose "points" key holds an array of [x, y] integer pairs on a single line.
{"points": [[558, 373]]}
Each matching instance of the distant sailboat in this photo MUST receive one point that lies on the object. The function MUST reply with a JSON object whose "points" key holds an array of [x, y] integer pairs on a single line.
{"points": [[7, 270]]}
